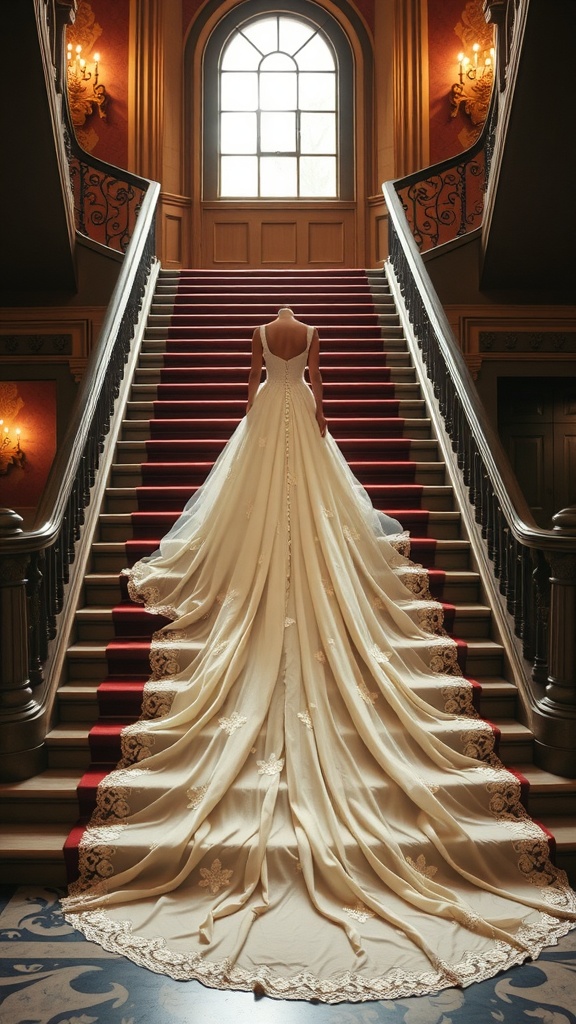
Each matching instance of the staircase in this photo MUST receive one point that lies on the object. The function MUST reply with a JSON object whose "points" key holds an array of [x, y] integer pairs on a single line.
{"points": [[188, 394]]}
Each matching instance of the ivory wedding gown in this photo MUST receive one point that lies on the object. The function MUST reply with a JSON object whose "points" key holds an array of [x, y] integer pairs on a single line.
{"points": [[309, 805]]}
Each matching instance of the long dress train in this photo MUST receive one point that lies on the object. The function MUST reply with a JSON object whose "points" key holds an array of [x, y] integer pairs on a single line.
{"points": [[309, 803]]}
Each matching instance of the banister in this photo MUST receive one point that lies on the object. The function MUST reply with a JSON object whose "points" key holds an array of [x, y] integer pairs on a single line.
{"points": [[35, 564], [52, 505], [535, 567]]}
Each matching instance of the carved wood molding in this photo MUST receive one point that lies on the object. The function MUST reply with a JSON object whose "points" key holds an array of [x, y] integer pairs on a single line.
{"points": [[411, 115], [145, 100], [525, 334]]}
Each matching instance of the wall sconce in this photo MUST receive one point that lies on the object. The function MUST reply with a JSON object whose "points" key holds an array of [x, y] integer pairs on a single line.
{"points": [[474, 85], [83, 103], [11, 453]]}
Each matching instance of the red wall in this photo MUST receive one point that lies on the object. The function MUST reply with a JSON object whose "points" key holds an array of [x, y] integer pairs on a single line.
{"points": [[111, 135], [21, 488], [448, 135]]}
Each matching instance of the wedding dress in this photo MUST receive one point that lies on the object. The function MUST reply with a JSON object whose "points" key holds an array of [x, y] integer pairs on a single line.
{"points": [[309, 805]]}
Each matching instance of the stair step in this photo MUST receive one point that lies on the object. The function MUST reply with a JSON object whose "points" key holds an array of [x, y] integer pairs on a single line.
{"points": [[194, 473], [48, 797], [418, 496], [29, 853], [185, 449], [148, 408], [122, 525], [452, 586], [68, 744], [112, 556], [97, 622], [153, 352], [32, 854], [377, 428], [186, 370], [87, 659]]}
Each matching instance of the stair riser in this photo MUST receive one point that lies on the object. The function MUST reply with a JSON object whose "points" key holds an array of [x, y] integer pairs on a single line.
{"points": [[19, 870], [39, 810], [146, 406], [188, 372], [109, 594], [116, 561], [130, 475], [155, 353], [389, 343], [119, 502], [94, 629], [158, 450], [118, 532], [143, 430]]}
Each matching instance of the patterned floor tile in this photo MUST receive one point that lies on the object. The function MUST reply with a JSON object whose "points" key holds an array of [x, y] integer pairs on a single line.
{"points": [[49, 974]]}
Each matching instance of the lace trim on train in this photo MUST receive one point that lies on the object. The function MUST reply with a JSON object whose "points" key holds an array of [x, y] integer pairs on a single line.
{"points": [[117, 937]]}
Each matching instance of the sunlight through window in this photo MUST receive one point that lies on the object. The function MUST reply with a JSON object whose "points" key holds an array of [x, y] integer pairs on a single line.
{"points": [[278, 112]]}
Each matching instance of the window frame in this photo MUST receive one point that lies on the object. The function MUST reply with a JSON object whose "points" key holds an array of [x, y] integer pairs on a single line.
{"points": [[339, 45]]}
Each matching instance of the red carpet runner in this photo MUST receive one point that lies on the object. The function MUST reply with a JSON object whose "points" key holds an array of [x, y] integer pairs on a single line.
{"points": [[198, 391]]}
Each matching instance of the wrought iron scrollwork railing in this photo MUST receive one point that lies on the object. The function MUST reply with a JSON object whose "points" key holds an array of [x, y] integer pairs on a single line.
{"points": [[106, 201], [35, 565], [447, 200], [535, 568]]}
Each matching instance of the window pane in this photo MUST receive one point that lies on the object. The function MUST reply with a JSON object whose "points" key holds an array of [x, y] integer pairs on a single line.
{"points": [[238, 133], [293, 34], [277, 91], [318, 176], [278, 176], [263, 33], [317, 133], [240, 55], [278, 133], [317, 92], [315, 56], [277, 62], [239, 90], [239, 176]]}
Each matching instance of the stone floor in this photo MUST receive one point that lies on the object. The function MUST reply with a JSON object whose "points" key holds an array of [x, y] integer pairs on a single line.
{"points": [[49, 974]]}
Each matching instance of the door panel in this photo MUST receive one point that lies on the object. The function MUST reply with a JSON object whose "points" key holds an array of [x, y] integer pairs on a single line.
{"points": [[278, 235], [537, 425]]}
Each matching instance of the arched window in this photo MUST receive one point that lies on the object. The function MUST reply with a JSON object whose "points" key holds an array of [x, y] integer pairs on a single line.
{"points": [[278, 106], [278, 112]]}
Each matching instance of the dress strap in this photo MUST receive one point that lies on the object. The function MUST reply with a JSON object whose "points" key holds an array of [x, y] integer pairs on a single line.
{"points": [[309, 336], [263, 337]]}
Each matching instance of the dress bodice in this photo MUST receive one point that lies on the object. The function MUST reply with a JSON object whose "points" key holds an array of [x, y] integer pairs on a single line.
{"points": [[280, 371]]}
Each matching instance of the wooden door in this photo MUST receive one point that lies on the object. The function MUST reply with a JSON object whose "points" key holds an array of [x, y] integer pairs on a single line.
{"points": [[537, 425]]}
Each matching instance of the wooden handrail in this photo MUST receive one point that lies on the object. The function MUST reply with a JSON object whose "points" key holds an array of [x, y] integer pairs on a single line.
{"points": [[35, 564], [535, 568]]}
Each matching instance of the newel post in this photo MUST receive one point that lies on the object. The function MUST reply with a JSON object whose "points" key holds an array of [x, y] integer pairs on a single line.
{"points": [[561, 685], [15, 691]]}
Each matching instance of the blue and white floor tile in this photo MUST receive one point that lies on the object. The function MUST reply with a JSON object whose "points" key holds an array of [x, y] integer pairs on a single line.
{"points": [[49, 974]]}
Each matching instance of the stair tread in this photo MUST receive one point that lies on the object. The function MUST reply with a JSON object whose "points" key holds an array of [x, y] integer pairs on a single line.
{"points": [[105, 612], [36, 843], [33, 841], [442, 544], [563, 830], [542, 780], [54, 782], [69, 732]]}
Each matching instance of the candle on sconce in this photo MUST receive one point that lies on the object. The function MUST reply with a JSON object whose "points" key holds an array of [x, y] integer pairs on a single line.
{"points": [[475, 49]]}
